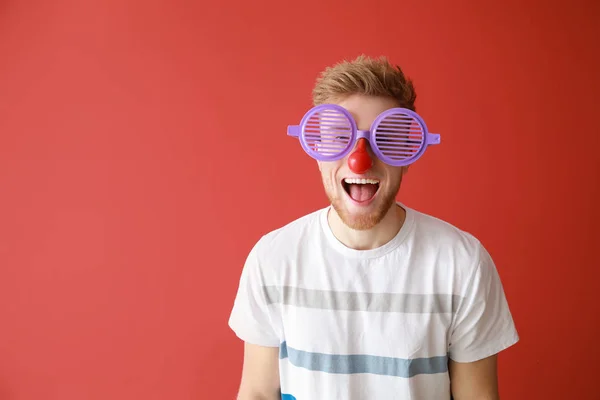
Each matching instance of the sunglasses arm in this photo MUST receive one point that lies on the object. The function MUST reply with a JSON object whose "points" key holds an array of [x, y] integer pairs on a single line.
{"points": [[433, 138], [293, 130]]}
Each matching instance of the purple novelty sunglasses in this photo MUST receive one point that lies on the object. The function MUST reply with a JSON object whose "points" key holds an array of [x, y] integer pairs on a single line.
{"points": [[398, 136]]}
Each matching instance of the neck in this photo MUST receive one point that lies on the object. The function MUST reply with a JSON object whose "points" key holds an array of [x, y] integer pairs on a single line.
{"points": [[372, 238]]}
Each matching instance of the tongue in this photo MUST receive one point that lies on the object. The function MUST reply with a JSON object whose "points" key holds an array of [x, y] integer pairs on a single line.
{"points": [[360, 192]]}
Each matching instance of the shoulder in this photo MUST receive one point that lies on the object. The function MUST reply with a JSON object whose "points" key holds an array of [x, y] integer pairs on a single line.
{"points": [[442, 233], [449, 245], [289, 238]]}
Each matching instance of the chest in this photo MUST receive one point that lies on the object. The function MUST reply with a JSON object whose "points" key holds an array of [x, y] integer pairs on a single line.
{"points": [[354, 308]]}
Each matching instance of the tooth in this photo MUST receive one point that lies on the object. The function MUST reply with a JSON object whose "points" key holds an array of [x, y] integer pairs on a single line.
{"points": [[361, 181]]}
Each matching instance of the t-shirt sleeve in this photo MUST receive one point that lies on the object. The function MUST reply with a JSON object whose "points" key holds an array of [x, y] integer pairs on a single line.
{"points": [[483, 324], [251, 318]]}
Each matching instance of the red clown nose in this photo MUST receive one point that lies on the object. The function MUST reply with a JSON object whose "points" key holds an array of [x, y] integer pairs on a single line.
{"points": [[359, 161]]}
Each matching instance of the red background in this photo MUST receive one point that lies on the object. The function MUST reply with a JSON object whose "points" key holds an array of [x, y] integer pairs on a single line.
{"points": [[143, 151]]}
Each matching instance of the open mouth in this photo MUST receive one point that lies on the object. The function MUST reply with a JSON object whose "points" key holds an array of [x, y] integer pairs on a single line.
{"points": [[361, 190]]}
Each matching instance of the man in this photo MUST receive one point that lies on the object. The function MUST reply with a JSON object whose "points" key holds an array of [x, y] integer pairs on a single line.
{"points": [[368, 298]]}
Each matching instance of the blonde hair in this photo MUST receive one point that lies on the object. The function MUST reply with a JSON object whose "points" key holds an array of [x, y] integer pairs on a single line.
{"points": [[366, 76]]}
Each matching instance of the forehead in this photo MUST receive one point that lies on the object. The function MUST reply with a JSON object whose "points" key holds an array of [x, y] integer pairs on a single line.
{"points": [[364, 109]]}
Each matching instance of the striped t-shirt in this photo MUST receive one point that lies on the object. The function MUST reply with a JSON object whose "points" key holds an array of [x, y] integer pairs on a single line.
{"points": [[371, 324]]}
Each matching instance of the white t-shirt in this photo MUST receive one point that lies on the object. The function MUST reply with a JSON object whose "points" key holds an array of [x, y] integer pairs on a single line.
{"points": [[371, 324]]}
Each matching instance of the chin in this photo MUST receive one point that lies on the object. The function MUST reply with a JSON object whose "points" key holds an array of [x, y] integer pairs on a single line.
{"points": [[362, 215]]}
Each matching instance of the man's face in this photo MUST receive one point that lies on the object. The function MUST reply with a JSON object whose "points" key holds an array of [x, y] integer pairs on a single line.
{"points": [[361, 206]]}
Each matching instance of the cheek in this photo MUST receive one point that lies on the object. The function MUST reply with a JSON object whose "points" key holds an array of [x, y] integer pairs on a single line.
{"points": [[329, 171], [395, 173]]}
